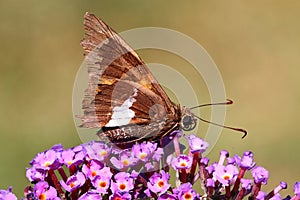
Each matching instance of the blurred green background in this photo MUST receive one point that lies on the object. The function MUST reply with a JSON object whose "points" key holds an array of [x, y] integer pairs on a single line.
{"points": [[255, 44]]}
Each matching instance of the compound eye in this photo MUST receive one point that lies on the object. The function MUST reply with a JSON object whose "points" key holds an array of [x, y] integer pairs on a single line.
{"points": [[188, 123], [186, 120]]}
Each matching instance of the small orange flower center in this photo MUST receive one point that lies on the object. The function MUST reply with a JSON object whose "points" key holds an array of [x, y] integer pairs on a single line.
{"points": [[125, 162], [143, 155], [94, 173], [122, 186], [47, 164], [226, 177], [103, 153], [187, 196], [102, 184], [182, 164], [160, 183], [42, 197], [72, 184]]}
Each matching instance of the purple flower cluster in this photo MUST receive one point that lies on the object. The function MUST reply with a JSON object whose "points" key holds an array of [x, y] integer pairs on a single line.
{"points": [[7, 194], [95, 171], [100, 171]]}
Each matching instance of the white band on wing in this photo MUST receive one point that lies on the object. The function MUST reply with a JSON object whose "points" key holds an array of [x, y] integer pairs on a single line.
{"points": [[122, 114]]}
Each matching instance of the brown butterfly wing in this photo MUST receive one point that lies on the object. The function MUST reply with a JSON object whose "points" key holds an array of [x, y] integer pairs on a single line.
{"points": [[119, 81]]}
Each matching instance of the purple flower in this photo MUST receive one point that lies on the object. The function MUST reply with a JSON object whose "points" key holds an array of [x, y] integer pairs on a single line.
{"points": [[105, 171], [260, 175], [95, 168], [204, 161], [134, 174], [223, 155], [182, 162], [123, 182], [44, 160], [261, 195], [282, 185], [247, 160], [147, 192], [144, 150], [120, 196], [157, 154], [211, 168], [42, 190], [97, 150], [69, 157], [149, 166], [34, 174], [90, 195], [297, 189], [147, 151], [125, 160], [177, 133], [210, 182], [7, 194], [57, 147], [73, 182], [158, 182], [186, 192], [167, 196], [197, 144], [101, 183], [79, 148], [225, 174], [246, 183], [231, 161]]}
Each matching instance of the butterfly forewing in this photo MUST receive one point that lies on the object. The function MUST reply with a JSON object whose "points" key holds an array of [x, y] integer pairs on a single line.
{"points": [[123, 98]]}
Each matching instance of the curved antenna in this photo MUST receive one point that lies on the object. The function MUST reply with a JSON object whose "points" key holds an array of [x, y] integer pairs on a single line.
{"points": [[228, 127], [228, 102]]}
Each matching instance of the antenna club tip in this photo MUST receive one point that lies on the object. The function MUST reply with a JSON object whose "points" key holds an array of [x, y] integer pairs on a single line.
{"points": [[245, 133], [229, 101]]}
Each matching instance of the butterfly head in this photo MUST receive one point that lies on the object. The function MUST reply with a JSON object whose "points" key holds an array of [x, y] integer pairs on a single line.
{"points": [[188, 120]]}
